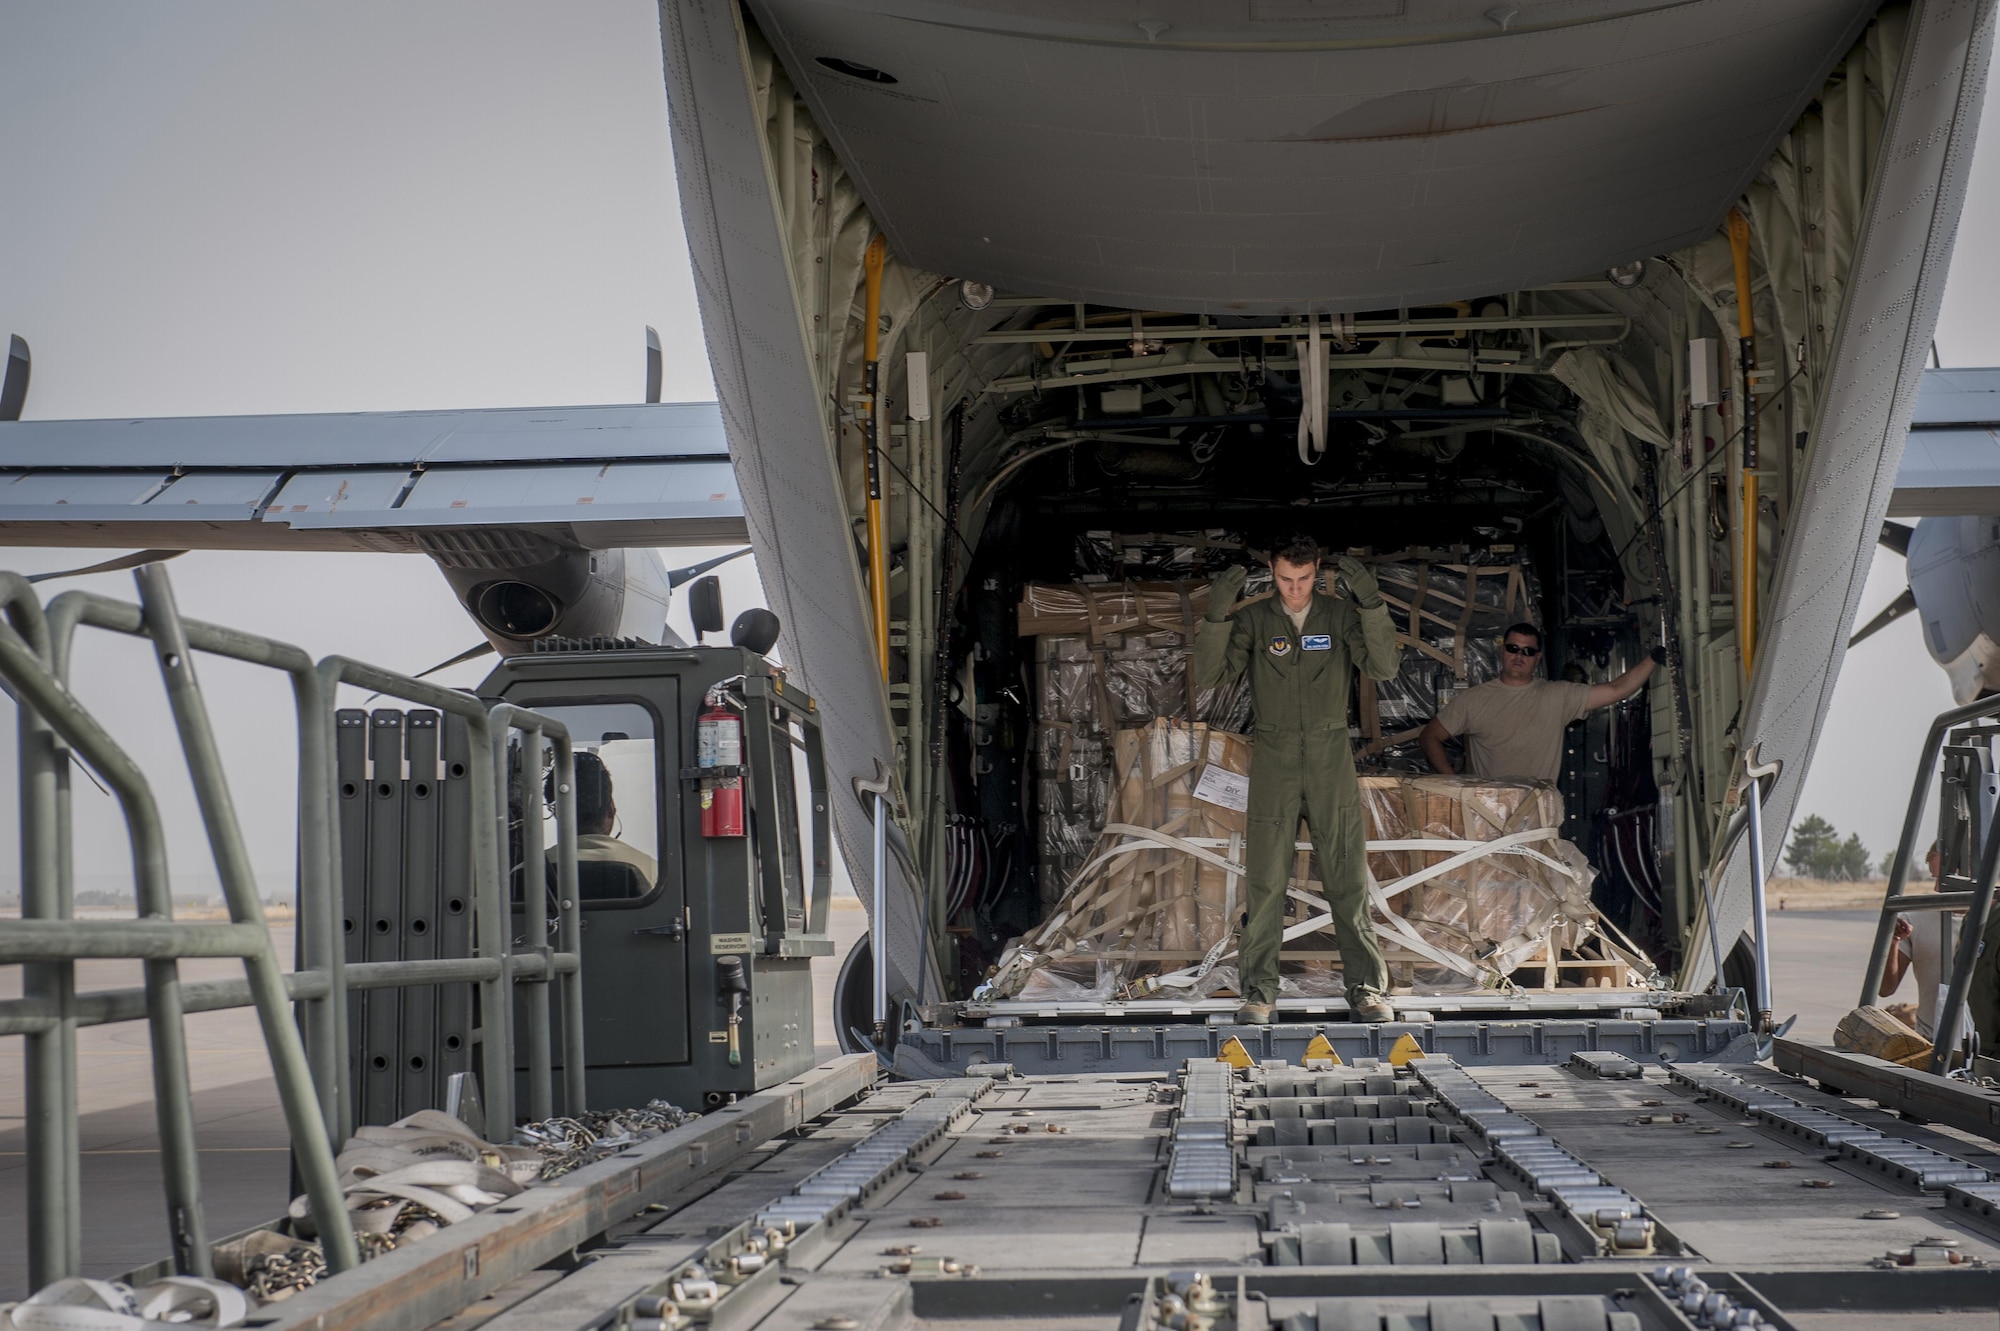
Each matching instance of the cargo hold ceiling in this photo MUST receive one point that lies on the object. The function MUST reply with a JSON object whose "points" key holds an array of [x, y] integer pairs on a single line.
{"points": [[1279, 156]]}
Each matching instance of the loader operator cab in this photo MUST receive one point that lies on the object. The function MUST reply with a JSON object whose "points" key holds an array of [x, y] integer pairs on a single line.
{"points": [[702, 885]]}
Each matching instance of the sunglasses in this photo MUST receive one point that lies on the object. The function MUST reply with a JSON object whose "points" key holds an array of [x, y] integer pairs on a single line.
{"points": [[1516, 649]]}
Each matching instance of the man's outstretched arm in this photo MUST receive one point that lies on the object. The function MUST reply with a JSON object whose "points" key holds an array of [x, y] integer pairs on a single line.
{"points": [[1432, 739], [1627, 684], [1899, 958]]}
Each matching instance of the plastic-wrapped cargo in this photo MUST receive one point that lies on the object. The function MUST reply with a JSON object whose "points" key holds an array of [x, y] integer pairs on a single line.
{"points": [[1471, 888], [1525, 906], [1072, 763], [1111, 659], [1143, 899], [1112, 655], [1089, 688], [1449, 608], [1096, 610]]}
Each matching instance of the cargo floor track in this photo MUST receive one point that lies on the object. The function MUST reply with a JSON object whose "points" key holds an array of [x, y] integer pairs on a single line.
{"points": [[1597, 1193]]}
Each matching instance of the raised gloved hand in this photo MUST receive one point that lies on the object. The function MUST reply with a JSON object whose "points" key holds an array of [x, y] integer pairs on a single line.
{"points": [[1361, 583], [1224, 591], [1659, 655]]}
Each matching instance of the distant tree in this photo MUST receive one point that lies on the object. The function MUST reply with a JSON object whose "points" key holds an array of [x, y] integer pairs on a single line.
{"points": [[1813, 839], [1850, 861]]}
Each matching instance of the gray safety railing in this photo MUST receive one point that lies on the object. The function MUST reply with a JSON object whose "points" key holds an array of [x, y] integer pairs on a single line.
{"points": [[1956, 891], [496, 968], [535, 902], [311, 1075]]}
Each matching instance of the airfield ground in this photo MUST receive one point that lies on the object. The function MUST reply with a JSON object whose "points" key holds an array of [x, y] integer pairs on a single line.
{"points": [[1820, 942]]}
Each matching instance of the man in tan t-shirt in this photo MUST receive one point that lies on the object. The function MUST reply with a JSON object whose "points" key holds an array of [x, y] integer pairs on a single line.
{"points": [[1513, 725]]}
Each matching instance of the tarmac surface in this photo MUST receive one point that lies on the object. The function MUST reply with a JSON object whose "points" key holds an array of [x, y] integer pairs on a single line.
{"points": [[1817, 961]]}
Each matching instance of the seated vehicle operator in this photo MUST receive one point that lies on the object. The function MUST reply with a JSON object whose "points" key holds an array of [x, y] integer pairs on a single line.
{"points": [[596, 815], [1513, 725], [1919, 945]]}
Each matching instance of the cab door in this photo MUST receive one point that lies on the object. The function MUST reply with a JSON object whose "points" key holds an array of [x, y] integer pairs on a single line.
{"points": [[634, 963]]}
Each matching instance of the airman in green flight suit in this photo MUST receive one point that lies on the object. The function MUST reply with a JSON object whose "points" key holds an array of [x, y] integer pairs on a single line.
{"points": [[1301, 648]]}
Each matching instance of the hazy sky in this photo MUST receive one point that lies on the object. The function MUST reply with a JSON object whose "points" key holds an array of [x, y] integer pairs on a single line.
{"points": [[234, 207], [224, 208]]}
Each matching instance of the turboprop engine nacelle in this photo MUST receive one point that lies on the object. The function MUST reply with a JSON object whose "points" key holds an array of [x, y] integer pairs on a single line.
{"points": [[1954, 565], [519, 587]]}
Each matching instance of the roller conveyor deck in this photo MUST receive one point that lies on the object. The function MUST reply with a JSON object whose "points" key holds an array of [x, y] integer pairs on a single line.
{"points": [[1601, 1193]]}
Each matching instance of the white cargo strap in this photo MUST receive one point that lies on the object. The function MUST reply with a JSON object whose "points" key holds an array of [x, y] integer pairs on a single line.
{"points": [[1390, 926], [1312, 395], [428, 1159], [108, 1305], [1464, 852]]}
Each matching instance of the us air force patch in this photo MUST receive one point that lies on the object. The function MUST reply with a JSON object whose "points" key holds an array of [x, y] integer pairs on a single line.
{"points": [[1316, 642], [1280, 645]]}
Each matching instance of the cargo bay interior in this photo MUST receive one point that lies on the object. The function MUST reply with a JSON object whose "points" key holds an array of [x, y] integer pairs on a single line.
{"points": [[1618, 452]]}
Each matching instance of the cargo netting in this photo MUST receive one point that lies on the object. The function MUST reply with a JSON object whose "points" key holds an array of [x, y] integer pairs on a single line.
{"points": [[1470, 888], [1141, 870]]}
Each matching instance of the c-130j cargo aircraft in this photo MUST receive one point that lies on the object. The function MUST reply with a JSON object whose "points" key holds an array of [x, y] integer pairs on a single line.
{"points": [[1642, 291]]}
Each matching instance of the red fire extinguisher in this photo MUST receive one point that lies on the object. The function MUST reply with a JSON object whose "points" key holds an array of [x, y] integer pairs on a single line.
{"points": [[719, 744]]}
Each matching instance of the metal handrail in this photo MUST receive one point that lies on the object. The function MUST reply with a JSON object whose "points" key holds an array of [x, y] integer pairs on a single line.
{"points": [[1899, 870], [49, 1060], [536, 727], [303, 1116], [107, 1007], [320, 934], [491, 912], [1896, 900], [35, 653], [155, 937], [1967, 955]]}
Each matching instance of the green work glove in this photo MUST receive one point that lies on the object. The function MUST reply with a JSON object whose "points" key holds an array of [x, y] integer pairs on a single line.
{"points": [[1361, 583], [1224, 591]]}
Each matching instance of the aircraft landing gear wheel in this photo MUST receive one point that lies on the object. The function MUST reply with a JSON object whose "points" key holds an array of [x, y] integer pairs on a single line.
{"points": [[854, 1000]]}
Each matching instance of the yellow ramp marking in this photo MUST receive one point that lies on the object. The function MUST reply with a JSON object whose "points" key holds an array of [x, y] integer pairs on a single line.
{"points": [[1234, 1054], [1321, 1047], [1405, 1049]]}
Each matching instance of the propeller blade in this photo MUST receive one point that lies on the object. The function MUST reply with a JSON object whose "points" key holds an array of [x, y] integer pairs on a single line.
{"points": [[14, 386], [121, 563], [693, 571], [655, 365], [1897, 537], [469, 654], [1891, 612]]}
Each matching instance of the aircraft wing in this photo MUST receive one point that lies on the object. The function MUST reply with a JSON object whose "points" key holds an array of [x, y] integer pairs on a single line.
{"points": [[598, 477], [1951, 464]]}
